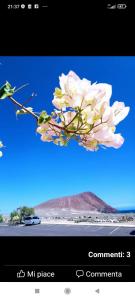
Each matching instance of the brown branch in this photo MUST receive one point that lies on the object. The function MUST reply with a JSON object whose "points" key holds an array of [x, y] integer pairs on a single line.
{"points": [[72, 119], [23, 107], [54, 125], [62, 128]]}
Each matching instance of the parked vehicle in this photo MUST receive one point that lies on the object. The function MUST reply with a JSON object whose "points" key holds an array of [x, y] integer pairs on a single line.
{"points": [[32, 220]]}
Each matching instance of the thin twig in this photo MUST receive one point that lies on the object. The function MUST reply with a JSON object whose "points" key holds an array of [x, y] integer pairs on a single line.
{"points": [[23, 107]]}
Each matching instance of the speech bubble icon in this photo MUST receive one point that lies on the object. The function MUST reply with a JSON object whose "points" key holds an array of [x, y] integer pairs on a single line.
{"points": [[79, 273]]}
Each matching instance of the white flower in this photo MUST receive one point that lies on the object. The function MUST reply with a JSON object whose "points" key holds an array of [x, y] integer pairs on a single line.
{"points": [[69, 83], [86, 113], [103, 92], [68, 117], [1, 154], [62, 103], [105, 135], [73, 90], [108, 116], [80, 92], [120, 111], [48, 131], [115, 141]]}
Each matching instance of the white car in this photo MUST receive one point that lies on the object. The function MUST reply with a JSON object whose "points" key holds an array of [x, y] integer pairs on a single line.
{"points": [[32, 220]]}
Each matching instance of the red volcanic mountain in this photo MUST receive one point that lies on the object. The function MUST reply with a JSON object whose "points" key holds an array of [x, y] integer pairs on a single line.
{"points": [[84, 202]]}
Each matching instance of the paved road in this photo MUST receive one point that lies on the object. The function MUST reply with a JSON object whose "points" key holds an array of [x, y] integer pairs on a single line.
{"points": [[65, 230]]}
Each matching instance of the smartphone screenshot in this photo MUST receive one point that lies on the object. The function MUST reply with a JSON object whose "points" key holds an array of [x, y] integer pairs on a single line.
{"points": [[67, 143]]}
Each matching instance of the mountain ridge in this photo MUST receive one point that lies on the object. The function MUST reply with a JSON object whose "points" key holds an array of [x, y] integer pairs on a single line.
{"points": [[85, 201]]}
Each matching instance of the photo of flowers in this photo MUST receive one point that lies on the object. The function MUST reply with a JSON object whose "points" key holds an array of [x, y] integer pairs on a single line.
{"points": [[67, 146]]}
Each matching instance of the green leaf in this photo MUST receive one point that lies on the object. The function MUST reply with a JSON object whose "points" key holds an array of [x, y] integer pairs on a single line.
{"points": [[67, 134], [58, 93], [43, 118], [56, 141], [63, 142], [23, 111], [6, 90]]}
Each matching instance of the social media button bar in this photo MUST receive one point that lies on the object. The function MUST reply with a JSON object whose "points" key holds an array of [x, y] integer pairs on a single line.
{"points": [[65, 273]]}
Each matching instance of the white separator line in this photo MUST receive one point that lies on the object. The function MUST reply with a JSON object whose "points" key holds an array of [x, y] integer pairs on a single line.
{"points": [[115, 229], [97, 229], [91, 224]]}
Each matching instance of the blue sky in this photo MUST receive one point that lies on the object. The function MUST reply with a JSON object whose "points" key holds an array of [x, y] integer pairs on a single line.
{"points": [[32, 171]]}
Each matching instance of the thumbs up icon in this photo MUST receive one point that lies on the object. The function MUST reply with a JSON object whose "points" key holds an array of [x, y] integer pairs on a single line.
{"points": [[21, 274]]}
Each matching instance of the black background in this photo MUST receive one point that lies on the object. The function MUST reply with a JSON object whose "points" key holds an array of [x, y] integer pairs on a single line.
{"points": [[65, 255], [65, 28]]}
